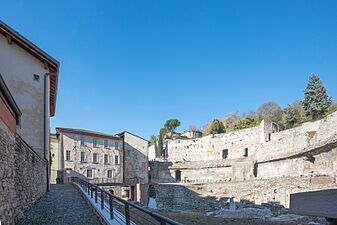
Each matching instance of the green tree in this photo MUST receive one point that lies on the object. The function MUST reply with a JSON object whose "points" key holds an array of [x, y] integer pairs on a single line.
{"points": [[293, 115], [161, 137], [332, 108], [217, 127], [269, 111], [171, 125], [247, 121], [316, 101], [153, 140]]}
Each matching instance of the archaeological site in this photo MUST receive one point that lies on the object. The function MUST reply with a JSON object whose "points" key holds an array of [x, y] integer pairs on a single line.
{"points": [[250, 167]]}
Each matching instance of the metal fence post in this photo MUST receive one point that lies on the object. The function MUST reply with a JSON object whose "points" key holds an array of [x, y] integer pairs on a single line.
{"points": [[92, 189], [111, 208], [102, 199], [127, 215], [95, 194]]}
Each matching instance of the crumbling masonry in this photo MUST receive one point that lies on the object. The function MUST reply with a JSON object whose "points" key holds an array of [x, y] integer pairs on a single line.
{"points": [[255, 164]]}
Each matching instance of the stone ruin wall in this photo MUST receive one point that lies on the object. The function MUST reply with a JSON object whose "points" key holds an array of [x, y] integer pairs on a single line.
{"points": [[294, 160], [22, 176], [210, 148], [305, 150]]}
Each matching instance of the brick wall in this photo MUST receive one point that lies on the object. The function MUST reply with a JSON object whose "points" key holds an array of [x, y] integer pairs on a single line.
{"points": [[22, 176]]}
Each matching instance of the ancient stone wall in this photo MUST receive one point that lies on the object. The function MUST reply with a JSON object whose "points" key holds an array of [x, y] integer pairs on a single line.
{"points": [[214, 196], [211, 147], [22, 176]]}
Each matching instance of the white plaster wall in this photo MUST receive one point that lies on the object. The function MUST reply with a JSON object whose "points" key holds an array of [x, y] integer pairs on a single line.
{"points": [[72, 142], [17, 68], [152, 152]]}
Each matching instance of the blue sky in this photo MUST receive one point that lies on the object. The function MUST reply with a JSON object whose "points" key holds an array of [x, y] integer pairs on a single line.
{"points": [[130, 65]]}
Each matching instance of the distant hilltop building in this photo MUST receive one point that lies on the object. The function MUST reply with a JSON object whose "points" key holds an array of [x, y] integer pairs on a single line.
{"points": [[119, 162]]}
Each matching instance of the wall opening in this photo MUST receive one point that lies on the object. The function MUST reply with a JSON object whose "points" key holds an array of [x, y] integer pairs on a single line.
{"points": [[178, 175], [245, 152], [255, 169], [225, 153]]}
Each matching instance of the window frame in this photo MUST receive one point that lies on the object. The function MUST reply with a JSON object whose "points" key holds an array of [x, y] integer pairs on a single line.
{"points": [[106, 162], [106, 143], [93, 158], [94, 143], [68, 158], [109, 172], [82, 141], [117, 161], [89, 173], [82, 152]]}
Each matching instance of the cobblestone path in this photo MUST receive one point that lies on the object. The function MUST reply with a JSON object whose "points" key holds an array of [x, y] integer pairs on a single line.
{"points": [[62, 205]]}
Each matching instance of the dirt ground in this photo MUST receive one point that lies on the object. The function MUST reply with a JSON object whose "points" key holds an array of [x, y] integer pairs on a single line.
{"points": [[199, 219]]}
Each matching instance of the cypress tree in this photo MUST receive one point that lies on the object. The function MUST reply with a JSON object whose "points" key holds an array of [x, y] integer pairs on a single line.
{"points": [[316, 100]]}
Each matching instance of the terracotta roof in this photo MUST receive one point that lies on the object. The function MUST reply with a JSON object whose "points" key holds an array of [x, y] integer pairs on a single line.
{"points": [[6, 95], [49, 62], [86, 132]]}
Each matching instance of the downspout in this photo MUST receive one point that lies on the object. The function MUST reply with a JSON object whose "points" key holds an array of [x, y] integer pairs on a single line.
{"points": [[45, 130]]}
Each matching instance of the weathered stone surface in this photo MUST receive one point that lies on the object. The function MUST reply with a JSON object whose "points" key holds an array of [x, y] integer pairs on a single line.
{"points": [[22, 176], [62, 205]]}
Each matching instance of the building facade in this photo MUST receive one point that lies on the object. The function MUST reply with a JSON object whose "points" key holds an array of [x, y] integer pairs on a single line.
{"points": [[28, 84], [54, 159], [95, 156], [135, 162], [31, 75]]}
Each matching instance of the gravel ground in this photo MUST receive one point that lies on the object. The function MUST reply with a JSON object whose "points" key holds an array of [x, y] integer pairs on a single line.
{"points": [[200, 219], [62, 205]]}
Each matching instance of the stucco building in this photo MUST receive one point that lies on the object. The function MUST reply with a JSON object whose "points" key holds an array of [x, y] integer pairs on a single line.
{"points": [[55, 163], [31, 75], [28, 83], [93, 155], [117, 162]]}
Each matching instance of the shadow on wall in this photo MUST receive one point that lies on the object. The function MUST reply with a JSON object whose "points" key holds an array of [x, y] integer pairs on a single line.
{"points": [[179, 197]]}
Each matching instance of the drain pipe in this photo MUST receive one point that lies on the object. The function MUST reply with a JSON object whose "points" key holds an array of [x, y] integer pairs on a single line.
{"points": [[45, 129]]}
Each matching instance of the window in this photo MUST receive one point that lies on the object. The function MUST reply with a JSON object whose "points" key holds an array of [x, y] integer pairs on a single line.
{"points": [[245, 152], [82, 140], [225, 153], [68, 155], [94, 143], [89, 173], [178, 175], [125, 192], [116, 159], [106, 159], [82, 156], [106, 144], [109, 174], [94, 157], [116, 145]]}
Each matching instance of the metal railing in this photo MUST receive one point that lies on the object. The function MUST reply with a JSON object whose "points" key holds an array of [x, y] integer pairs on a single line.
{"points": [[120, 210]]}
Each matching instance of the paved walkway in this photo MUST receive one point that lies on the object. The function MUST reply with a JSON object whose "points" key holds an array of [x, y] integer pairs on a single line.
{"points": [[62, 205]]}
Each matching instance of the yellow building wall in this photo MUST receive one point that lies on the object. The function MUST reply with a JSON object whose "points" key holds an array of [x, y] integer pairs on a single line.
{"points": [[54, 155]]}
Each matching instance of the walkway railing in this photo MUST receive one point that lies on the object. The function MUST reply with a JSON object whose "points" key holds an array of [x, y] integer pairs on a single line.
{"points": [[119, 210]]}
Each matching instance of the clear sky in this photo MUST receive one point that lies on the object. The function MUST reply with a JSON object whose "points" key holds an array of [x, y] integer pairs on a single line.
{"points": [[130, 65]]}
